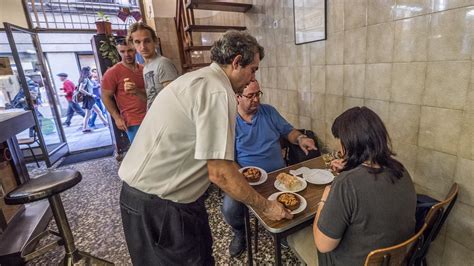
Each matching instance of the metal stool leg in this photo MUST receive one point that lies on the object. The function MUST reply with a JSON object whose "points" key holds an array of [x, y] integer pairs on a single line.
{"points": [[34, 156]]}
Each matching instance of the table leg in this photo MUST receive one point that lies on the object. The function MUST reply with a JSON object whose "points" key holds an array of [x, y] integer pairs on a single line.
{"points": [[248, 232], [255, 235], [277, 240]]}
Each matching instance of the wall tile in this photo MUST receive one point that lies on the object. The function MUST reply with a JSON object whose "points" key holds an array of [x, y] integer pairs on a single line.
{"points": [[380, 43], [283, 76], [411, 8], [333, 107], [381, 108], [335, 17], [354, 80], [457, 254], [335, 79], [379, 11], [317, 105], [350, 102], [319, 128], [318, 53], [355, 46], [355, 14], [318, 79], [403, 122], [378, 81], [335, 48], [466, 142], [435, 170], [451, 35], [305, 122], [304, 103], [441, 5], [465, 178], [440, 129], [406, 154], [408, 82], [292, 102], [447, 84], [411, 39]]}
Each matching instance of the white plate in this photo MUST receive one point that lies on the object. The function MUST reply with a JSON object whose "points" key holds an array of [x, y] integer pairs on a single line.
{"points": [[263, 178], [280, 186], [319, 177], [302, 206]]}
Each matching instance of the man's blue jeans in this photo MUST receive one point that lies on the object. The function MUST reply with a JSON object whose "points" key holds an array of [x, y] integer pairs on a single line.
{"points": [[132, 132], [233, 212]]}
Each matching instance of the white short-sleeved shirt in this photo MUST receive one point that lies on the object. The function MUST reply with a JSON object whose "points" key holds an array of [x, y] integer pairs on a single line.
{"points": [[190, 122]]}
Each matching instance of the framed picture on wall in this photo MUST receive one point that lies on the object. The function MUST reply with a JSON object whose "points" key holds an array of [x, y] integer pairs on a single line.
{"points": [[310, 20]]}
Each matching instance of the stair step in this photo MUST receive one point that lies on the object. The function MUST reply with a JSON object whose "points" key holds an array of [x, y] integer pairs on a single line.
{"points": [[218, 6], [212, 28], [198, 48]]}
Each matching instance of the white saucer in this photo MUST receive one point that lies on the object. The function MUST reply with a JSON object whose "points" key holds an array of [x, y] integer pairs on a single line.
{"points": [[302, 206], [319, 177], [263, 178], [280, 186]]}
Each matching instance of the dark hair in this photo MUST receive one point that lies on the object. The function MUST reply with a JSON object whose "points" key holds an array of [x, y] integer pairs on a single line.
{"points": [[234, 43], [121, 40], [85, 73], [141, 26], [364, 137]]}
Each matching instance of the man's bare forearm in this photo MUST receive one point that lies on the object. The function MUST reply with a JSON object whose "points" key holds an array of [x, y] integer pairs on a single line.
{"points": [[225, 175], [110, 105]]}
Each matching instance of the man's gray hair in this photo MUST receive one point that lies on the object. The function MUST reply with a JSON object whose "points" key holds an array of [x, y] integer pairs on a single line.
{"points": [[234, 43]]}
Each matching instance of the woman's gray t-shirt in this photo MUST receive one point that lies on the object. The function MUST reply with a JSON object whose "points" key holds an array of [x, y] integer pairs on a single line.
{"points": [[367, 212]]}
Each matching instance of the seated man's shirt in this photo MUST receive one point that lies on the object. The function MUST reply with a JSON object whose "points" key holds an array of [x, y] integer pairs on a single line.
{"points": [[190, 122], [258, 143]]}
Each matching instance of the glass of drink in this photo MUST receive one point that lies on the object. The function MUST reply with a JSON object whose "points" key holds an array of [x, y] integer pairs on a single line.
{"points": [[328, 157]]}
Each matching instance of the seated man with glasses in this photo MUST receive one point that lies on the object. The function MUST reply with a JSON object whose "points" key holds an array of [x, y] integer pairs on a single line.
{"points": [[257, 132]]}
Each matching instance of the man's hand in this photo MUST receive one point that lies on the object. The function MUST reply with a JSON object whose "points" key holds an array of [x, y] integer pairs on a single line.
{"points": [[307, 144], [276, 211], [120, 123], [130, 87]]}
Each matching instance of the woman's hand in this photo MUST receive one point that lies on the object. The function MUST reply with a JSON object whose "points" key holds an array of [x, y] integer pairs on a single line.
{"points": [[337, 165]]}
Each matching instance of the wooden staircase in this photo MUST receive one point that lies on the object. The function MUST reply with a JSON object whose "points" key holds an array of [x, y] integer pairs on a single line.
{"points": [[186, 26]]}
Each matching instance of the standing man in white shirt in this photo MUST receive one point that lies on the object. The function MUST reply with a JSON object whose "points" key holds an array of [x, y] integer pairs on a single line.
{"points": [[159, 71], [185, 142]]}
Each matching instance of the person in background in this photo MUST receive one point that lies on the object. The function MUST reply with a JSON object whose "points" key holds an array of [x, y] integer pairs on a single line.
{"points": [[257, 143], [185, 142], [159, 71], [88, 104], [96, 91], [72, 107], [371, 203], [123, 90]]}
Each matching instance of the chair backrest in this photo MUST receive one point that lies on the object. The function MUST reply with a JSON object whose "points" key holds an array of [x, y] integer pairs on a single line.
{"points": [[396, 255], [293, 154], [435, 220]]}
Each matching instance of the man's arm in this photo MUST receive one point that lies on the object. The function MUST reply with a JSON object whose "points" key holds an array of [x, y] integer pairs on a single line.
{"points": [[305, 143], [108, 98], [225, 175]]}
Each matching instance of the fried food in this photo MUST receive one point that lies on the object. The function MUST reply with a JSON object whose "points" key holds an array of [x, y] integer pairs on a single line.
{"points": [[289, 181], [289, 200], [252, 174]]}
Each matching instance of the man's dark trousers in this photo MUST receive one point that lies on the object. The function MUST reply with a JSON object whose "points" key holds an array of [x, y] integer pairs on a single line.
{"points": [[162, 232]]}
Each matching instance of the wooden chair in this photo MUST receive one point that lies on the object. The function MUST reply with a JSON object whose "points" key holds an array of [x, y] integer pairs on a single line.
{"points": [[434, 221], [400, 254]]}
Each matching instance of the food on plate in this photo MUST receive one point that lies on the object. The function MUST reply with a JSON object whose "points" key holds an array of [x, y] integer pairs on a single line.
{"points": [[252, 174], [289, 181], [289, 200]]}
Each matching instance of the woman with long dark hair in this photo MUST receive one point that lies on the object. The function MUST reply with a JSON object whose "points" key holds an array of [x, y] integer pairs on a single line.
{"points": [[88, 103], [371, 203]]}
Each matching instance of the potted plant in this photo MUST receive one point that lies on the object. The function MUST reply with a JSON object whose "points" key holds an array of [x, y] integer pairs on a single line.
{"points": [[103, 24], [108, 49]]}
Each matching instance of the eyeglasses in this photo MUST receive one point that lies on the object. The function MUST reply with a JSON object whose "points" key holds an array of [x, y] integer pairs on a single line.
{"points": [[253, 95]]}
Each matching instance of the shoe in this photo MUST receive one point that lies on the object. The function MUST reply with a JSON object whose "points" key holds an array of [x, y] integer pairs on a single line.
{"points": [[88, 130], [237, 245], [284, 243], [66, 124]]}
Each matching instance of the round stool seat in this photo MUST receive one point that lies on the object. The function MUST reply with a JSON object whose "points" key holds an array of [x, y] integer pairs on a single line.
{"points": [[43, 186]]}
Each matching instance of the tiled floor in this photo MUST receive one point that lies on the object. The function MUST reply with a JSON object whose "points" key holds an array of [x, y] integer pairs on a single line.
{"points": [[93, 210]]}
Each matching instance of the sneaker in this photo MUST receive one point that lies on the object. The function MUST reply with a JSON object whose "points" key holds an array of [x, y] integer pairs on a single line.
{"points": [[88, 130], [237, 245], [66, 124]]}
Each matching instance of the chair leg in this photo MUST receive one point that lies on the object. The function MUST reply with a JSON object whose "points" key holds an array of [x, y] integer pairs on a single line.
{"points": [[256, 236], [33, 154]]}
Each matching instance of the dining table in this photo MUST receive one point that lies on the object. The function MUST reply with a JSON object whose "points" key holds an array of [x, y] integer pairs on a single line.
{"points": [[280, 229]]}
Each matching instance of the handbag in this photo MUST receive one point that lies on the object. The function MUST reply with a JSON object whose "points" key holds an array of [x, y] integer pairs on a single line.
{"points": [[77, 96], [293, 154]]}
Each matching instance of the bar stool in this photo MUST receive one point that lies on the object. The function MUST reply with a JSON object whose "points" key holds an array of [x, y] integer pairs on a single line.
{"points": [[49, 186]]}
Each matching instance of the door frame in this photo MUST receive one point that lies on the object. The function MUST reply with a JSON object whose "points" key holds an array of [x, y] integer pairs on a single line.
{"points": [[63, 149]]}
